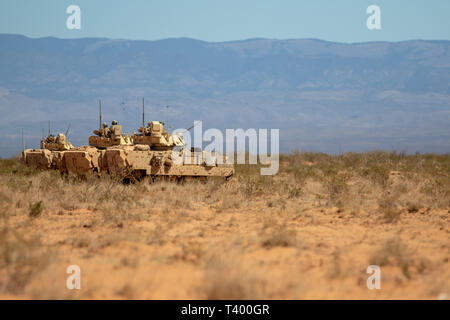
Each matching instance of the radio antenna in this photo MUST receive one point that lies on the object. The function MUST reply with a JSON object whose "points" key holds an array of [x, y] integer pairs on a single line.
{"points": [[194, 125], [143, 113], [100, 112], [23, 142]]}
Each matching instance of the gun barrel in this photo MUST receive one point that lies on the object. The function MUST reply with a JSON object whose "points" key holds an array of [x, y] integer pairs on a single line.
{"points": [[195, 124]]}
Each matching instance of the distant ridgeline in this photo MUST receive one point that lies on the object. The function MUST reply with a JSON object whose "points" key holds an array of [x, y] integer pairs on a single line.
{"points": [[323, 96]]}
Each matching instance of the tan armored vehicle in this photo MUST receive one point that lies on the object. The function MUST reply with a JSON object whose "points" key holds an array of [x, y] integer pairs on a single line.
{"points": [[158, 153], [50, 155]]}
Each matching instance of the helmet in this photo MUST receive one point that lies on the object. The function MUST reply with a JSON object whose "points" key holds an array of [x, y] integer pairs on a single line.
{"points": [[114, 122], [104, 124]]}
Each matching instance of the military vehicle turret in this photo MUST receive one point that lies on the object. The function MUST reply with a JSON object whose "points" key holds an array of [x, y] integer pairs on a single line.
{"points": [[106, 137], [58, 143], [157, 137]]}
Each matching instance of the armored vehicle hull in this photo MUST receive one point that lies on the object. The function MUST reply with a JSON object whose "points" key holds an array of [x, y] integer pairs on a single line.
{"points": [[136, 161], [139, 161], [83, 160], [44, 159]]}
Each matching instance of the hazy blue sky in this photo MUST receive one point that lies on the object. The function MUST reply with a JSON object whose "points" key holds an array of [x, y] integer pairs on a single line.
{"points": [[212, 20]]}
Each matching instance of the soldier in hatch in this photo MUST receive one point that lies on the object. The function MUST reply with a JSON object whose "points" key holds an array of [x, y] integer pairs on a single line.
{"points": [[103, 131], [145, 130], [115, 131], [51, 138]]}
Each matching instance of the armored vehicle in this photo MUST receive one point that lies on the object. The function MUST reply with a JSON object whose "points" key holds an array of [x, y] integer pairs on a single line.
{"points": [[158, 153], [50, 155]]}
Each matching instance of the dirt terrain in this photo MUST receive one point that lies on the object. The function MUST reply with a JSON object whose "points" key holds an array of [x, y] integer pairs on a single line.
{"points": [[310, 232]]}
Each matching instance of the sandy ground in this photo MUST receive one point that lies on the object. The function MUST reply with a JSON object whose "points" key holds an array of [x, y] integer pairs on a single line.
{"points": [[309, 232], [299, 250]]}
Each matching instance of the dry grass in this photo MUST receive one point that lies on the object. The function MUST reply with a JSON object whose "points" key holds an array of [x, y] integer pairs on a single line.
{"points": [[388, 207], [226, 278], [279, 236], [344, 179], [395, 252], [254, 236], [22, 257]]}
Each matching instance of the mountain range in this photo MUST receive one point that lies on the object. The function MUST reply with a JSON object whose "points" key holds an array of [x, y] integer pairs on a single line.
{"points": [[323, 96]]}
